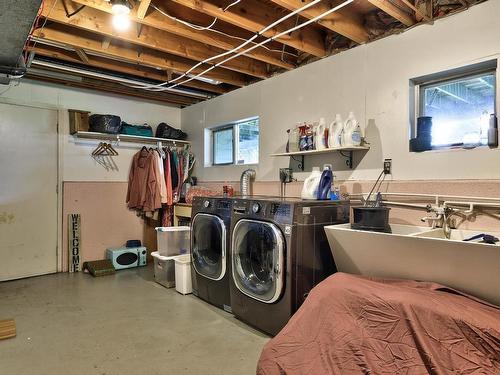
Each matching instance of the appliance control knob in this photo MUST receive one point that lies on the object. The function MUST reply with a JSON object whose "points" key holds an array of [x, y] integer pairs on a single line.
{"points": [[255, 208], [206, 204], [143, 252]]}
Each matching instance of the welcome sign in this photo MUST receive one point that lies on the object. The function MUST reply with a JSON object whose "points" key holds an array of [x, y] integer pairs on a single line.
{"points": [[74, 242]]}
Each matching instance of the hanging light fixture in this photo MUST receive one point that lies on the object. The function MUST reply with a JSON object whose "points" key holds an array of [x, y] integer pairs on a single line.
{"points": [[121, 11]]}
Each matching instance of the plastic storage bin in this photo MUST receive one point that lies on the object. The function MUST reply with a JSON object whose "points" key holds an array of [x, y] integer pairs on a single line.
{"points": [[164, 270], [183, 274], [173, 240]]}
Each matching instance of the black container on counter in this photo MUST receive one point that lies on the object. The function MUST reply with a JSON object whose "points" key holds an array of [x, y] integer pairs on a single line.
{"points": [[374, 219]]}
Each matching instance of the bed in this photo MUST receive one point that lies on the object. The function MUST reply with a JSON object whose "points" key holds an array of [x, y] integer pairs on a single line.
{"points": [[356, 325]]}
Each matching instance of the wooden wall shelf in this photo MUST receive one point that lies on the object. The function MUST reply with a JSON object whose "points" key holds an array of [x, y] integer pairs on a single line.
{"points": [[340, 150]]}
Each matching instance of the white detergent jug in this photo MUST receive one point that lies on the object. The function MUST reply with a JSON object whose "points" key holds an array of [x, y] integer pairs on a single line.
{"points": [[350, 138], [335, 132], [320, 135], [311, 183]]}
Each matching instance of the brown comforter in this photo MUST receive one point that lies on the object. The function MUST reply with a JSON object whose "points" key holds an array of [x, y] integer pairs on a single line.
{"points": [[355, 325]]}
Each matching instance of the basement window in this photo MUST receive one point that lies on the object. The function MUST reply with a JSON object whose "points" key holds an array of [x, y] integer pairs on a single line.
{"points": [[460, 103], [236, 143]]}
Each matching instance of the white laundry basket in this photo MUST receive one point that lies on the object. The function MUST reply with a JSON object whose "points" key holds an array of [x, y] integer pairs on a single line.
{"points": [[183, 274], [173, 240]]}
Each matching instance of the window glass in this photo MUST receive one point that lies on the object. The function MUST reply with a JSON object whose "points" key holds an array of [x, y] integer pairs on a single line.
{"points": [[248, 142], [223, 146], [460, 109]]}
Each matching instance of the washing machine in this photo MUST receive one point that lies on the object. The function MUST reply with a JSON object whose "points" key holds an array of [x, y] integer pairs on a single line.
{"points": [[211, 267], [279, 252]]}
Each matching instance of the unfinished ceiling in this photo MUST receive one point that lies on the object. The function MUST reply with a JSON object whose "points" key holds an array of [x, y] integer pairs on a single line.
{"points": [[76, 43]]}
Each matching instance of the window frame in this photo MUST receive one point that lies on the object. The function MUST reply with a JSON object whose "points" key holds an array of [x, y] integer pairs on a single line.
{"points": [[418, 86], [219, 129], [235, 141]]}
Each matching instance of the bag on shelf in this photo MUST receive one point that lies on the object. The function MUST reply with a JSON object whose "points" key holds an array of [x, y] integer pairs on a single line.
{"points": [[105, 124], [166, 131], [140, 130]]}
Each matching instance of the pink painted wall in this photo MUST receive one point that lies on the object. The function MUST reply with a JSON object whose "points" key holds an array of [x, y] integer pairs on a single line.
{"points": [[105, 219], [478, 188]]}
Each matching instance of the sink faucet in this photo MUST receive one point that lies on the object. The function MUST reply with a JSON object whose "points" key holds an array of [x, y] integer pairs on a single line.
{"points": [[442, 219]]}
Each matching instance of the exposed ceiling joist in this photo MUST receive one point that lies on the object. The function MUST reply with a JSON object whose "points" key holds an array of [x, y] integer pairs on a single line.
{"points": [[82, 55], [344, 21], [120, 67], [156, 20], [254, 17], [394, 11], [99, 22], [143, 8], [116, 89], [105, 42], [147, 57]]}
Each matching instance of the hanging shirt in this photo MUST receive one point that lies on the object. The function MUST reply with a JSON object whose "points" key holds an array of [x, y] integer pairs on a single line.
{"points": [[168, 179], [162, 183]]}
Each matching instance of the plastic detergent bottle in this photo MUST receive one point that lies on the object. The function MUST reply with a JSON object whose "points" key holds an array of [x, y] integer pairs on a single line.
{"points": [[352, 137], [320, 137], [335, 132], [311, 183], [325, 182]]}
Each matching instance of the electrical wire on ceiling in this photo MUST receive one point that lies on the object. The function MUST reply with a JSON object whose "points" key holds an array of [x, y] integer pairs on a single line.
{"points": [[297, 11], [230, 5], [209, 28], [188, 24], [324, 14], [259, 33]]}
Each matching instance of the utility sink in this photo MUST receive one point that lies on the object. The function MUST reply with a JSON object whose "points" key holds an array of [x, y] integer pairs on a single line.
{"points": [[420, 253]]}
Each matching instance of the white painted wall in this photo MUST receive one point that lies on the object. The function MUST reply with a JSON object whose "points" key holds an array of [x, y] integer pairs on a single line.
{"points": [[373, 81], [76, 162]]}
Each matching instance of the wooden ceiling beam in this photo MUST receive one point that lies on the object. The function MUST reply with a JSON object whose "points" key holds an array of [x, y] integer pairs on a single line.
{"points": [[120, 67], [254, 17], [147, 57], [101, 23], [117, 89], [344, 21], [143, 8], [158, 21], [394, 11]]}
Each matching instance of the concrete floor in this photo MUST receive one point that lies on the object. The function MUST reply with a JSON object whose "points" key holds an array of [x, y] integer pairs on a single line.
{"points": [[122, 324]]}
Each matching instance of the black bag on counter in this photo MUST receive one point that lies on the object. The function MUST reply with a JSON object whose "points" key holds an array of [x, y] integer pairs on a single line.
{"points": [[166, 131], [105, 124]]}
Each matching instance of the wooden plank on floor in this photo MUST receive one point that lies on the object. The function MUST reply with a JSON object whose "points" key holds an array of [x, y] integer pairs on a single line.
{"points": [[7, 329]]}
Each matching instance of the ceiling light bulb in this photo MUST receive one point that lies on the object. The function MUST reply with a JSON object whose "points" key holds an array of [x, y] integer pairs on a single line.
{"points": [[121, 22], [120, 7]]}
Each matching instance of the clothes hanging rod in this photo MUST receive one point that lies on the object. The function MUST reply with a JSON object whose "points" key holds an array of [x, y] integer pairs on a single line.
{"points": [[129, 138]]}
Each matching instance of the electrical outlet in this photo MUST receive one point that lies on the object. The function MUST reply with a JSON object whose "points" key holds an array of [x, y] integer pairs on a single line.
{"points": [[388, 166], [286, 175]]}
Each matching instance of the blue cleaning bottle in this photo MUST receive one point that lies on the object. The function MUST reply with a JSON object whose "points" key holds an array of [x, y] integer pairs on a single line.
{"points": [[325, 182]]}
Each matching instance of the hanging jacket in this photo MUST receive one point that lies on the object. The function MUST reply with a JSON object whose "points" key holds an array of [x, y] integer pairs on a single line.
{"points": [[153, 196], [168, 179], [173, 170], [143, 191], [139, 170]]}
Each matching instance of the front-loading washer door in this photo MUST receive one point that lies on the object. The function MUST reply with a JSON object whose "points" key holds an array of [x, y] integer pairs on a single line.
{"points": [[208, 246], [258, 259]]}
